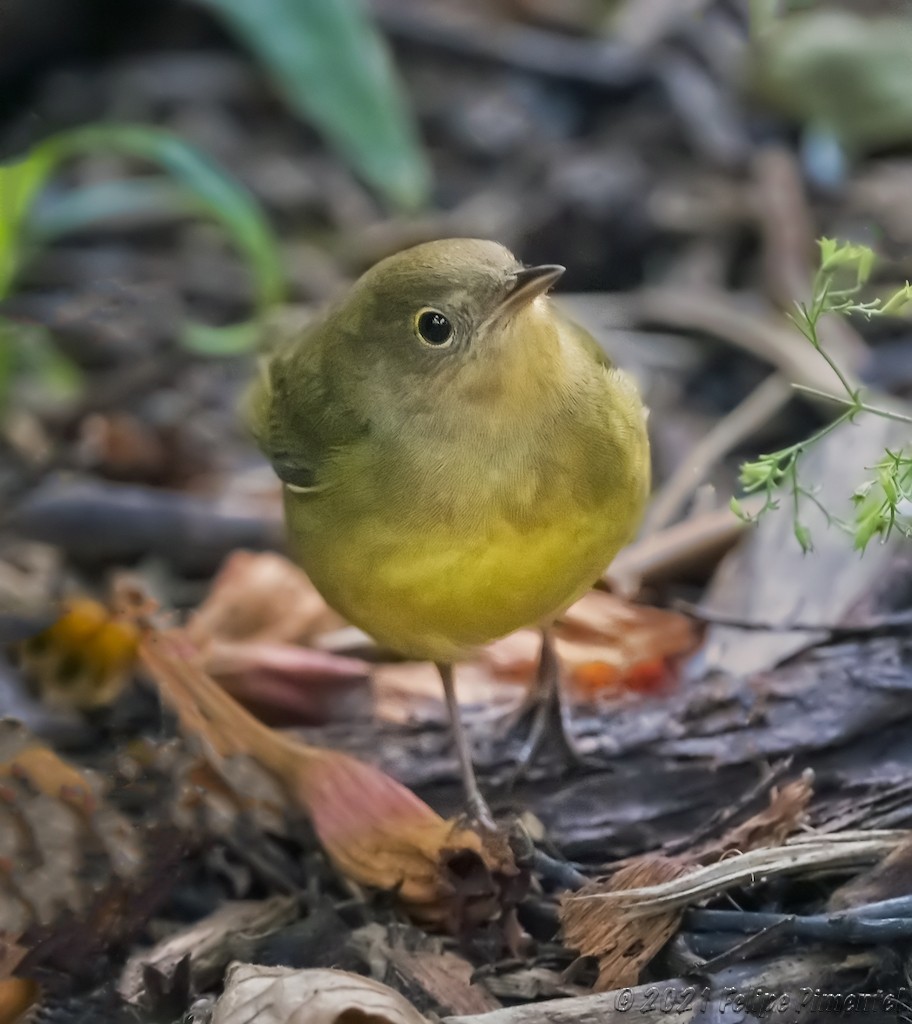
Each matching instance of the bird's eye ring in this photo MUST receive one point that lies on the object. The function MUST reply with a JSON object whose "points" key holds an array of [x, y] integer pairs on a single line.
{"points": [[433, 328]]}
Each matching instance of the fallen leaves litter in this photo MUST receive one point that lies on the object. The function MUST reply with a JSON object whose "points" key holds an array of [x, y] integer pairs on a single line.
{"points": [[227, 934], [17, 995], [282, 995], [51, 826], [623, 940], [261, 596], [250, 628], [625, 934], [76, 875], [606, 645], [787, 811], [376, 832]]}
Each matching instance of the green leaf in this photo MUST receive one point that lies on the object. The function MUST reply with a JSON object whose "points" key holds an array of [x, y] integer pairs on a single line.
{"points": [[211, 191], [20, 183], [803, 536], [333, 69], [197, 186], [91, 205], [220, 341]]}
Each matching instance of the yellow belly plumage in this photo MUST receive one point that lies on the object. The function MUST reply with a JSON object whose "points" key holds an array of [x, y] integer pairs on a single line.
{"points": [[438, 597], [474, 540]]}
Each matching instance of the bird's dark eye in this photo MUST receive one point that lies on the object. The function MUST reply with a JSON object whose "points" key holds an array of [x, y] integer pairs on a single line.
{"points": [[433, 327]]}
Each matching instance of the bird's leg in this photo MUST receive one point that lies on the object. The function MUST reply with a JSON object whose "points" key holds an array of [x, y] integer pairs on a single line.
{"points": [[477, 805], [544, 713]]}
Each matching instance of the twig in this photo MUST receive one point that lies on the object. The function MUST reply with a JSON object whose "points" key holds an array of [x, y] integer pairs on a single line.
{"points": [[677, 549], [760, 406], [718, 315], [572, 59], [898, 622], [786, 225], [561, 873], [882, 410], [831, 927], [748, 948], [803, 853]]}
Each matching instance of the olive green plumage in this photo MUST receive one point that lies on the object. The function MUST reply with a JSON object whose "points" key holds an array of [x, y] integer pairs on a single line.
{"points": [[460, 459]]}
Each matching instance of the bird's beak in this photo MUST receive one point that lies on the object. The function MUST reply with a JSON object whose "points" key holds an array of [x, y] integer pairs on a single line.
{"points": [[527, 284]]}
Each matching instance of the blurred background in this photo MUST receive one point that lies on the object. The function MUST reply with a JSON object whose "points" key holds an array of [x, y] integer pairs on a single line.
{"points": [[172, 169]]}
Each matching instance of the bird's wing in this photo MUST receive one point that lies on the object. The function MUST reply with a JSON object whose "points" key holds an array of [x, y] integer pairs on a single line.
{"points": [[294, 409]]}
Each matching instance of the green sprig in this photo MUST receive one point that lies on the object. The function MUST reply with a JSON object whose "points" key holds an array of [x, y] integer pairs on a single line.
{"points": [[845, 268]]}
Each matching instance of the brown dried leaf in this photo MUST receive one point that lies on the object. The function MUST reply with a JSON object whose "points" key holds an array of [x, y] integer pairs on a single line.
{"points": [[787, 810], [11, 953], [259, 609], [22, 757], [283, 684], [282, 995], [376, 831], [230, 932], [123, 447], [17, 995], [635, 644], [426, 969], [68, 860], [606, 645], [623, 939], [412, 691], [261, 597]]}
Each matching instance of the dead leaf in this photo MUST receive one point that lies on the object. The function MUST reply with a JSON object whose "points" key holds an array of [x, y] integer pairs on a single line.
{"points": [[123, 447], [636, 646], [771, 827], [282, 995], [75, 874], [606, 645], [425, 967], [376, 831], [283, 684], [250, 627], [17, 995], [411, 691], [228, 933], [623, 939], [23, 757], [264, 597]]}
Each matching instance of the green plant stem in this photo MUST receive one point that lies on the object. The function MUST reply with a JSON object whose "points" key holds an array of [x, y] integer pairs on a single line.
{"points": [[856, 405]]}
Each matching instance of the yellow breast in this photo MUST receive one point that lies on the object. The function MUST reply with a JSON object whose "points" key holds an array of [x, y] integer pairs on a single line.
{"points": [[439, 548]]}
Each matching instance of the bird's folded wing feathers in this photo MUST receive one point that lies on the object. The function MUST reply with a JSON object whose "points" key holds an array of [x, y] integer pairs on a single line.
{"points": [[288, 407]]}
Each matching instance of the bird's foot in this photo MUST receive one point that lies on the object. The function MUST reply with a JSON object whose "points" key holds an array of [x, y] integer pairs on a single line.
{"points": [[478, 813], [543, 720]]}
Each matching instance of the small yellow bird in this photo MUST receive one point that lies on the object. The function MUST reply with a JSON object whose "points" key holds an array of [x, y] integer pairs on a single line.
{"points": [[459, 459]]}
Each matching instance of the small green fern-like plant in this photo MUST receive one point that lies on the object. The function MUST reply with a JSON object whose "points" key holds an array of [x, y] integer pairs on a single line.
{"points": [[879, 502]]}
